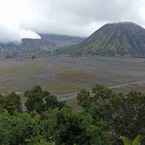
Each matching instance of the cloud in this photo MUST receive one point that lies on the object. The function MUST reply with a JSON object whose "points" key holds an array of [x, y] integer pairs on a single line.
{"points": [[29, 34], [23, 18]]}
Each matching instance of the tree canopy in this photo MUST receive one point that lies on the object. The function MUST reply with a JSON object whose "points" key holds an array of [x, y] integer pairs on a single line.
{"points": [[104, 118]]}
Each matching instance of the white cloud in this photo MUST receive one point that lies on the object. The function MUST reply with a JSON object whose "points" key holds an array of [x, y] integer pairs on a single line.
{"points": [[29, 34], [22, 18]]}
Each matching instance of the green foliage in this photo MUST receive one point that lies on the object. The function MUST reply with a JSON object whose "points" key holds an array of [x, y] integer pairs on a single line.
{"points": [[39, 140], [124, 113], [128, 116], [40, 101], [136, 141], [104, 117], [83, 98], [17, 129], [77, 128], [126, 141], [48, 124], [11, 103], [97, 102]]}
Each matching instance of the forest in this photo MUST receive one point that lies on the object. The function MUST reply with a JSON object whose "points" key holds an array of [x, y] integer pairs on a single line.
{"points": [[103, 117]]}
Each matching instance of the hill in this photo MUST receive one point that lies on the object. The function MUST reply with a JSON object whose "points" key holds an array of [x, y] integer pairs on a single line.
{"points": [[116, 39], [43, 46], [61, 40]]}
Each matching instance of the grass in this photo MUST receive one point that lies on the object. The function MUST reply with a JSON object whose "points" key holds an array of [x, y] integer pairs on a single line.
{"points": [[26, 68], [75, 75], [66, 75]]}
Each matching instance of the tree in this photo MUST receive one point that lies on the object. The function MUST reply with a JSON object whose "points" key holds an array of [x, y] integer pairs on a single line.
{"points": [[124, 113], [129, 116], [77, 128], [48, 124], [11, 103], [97, 102], [17, 129], [39, 140], [34, 100], [2, 103], [83, 98], [40, 101]]}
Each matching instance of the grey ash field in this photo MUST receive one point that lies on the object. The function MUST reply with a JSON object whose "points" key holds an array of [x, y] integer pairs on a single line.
{"points": [[64, 74]]}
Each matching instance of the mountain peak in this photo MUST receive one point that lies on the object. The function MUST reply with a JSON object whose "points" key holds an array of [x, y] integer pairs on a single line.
{"points": [[115, 39], [122, 25]]}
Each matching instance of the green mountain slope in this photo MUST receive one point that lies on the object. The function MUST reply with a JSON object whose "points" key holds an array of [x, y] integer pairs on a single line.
{"points": [[117, 39]]}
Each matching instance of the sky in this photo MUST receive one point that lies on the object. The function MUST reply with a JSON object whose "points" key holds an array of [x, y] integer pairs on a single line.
{"points": [[26, 18]]}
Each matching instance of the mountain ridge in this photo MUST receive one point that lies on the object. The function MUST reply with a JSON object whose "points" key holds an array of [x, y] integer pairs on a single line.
{"points": [[113, 39], [43, 46]]}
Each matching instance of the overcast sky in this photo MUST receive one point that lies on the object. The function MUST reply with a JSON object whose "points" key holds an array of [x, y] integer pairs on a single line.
{"points": [[23, 18]]}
